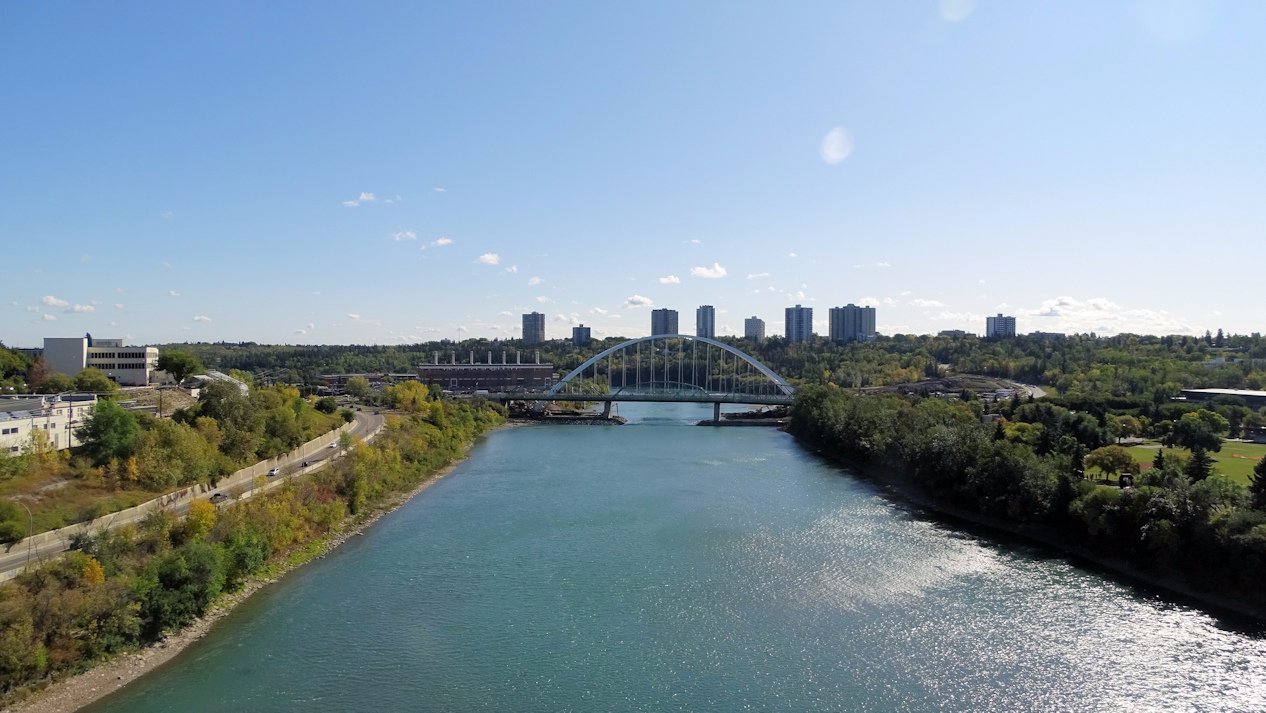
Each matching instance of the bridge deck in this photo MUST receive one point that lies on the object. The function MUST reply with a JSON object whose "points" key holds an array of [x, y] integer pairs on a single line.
{"points": [[768, 400]]}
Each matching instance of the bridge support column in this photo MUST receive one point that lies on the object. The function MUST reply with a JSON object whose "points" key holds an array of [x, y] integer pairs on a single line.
{"points": [[716, 412], [606, 409]]}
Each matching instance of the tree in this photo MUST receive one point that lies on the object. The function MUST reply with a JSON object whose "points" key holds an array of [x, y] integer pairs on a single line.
{"points": [[326, 404], [1112, 460], [1200, 465], [1159, 461], [358, 386], [109, 433], [1201, 429], [55, 384], [180, 364], [1257, 485], [37, 373], [93, 379]]}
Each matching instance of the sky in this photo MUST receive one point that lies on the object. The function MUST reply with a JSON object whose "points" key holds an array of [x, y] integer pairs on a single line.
{"points": [[383, 173]]}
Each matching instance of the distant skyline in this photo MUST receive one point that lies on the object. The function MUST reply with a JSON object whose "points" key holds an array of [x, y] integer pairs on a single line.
{"points": [[395, 172]]}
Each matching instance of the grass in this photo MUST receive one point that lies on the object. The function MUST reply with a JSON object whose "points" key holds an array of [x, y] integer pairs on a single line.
{"points": [[1235, 460], [57, 499]]}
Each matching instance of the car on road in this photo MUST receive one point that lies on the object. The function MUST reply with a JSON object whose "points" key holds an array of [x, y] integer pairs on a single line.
{"points": [[332, 445], [274, 471], [218, 498]]}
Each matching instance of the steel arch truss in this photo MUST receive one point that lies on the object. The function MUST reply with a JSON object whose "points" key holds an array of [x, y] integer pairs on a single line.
{"points": [[779, 382]]}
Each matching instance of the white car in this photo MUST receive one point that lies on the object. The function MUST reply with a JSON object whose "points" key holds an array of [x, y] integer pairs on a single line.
{"points": [[274, 471]]}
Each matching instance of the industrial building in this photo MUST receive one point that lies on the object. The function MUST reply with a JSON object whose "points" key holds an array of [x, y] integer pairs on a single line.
{"points": [[125, 365], [57, 416]]}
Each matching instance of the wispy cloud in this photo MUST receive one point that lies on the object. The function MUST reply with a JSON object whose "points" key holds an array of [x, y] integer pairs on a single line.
{"points": [[506, 313], [201, 318], [543, 299], [597, 310], [670, 280], [637, 301], [441, 242], [172, 293], [513, 269], [118, 305], [403, 235], [836, 145], [440, 189], [711, 273], [489, 259], [48, 318], [353, 316], [754, 275], [81, 309], [52, 301], [922, 303], [956, 10], [364, 197], [534, 280], [792, 255]]}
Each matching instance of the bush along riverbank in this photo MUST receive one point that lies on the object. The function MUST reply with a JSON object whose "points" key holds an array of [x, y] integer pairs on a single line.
{"points": [[1205, 538], [117, 591]]}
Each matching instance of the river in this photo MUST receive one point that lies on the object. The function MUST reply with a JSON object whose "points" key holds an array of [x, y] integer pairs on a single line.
{"points": [[660, 566]]}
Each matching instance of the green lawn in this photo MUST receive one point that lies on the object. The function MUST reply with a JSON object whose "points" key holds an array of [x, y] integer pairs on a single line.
{"points": [[1235, 459]]}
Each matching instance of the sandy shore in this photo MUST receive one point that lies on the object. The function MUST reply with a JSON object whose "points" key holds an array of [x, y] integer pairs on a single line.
{"points": [[71, 694]]}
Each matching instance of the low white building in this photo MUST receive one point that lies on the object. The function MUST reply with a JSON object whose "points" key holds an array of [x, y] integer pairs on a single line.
{"points": [[125, 365], [57, 416]]}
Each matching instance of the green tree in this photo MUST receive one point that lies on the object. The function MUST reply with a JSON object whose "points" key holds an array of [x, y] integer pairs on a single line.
{"points": [[180, 364], [1200, 465], [93, 379], [1159, 461], [56, 384], [326, 404], [1257, 485], [1201, 429], [358, 387], [1112, 460], [109, 433]]}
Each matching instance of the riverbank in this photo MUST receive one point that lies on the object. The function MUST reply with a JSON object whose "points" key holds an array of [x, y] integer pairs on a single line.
{"points": [[899, 488], [75, 692]]}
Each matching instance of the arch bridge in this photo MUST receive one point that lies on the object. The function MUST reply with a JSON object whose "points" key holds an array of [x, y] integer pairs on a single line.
{"points": [[668, 368]]}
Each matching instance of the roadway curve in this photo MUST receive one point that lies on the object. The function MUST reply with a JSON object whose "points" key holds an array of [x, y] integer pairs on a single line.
{"points": [[14, 559]]}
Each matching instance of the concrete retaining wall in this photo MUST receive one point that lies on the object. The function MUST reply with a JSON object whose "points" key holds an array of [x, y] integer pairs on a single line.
{"points": [[240, 483]]}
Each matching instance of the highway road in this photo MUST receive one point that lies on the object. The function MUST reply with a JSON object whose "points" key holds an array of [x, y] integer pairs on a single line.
{"points": [[13, 560]]}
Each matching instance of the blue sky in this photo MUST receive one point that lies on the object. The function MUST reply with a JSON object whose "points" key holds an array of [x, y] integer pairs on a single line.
{"points": [[311, 172]]}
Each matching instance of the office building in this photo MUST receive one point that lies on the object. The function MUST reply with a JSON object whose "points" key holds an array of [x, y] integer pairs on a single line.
{"points": [[851, 323], [999, 327], [706, 322], [533, 328], [125, 365], [799, 325], [580, 336], [57, 417], [754, 329], [663, 321]]}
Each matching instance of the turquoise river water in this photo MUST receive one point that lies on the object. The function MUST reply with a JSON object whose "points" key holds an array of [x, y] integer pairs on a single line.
{"points": [[660, 566]]}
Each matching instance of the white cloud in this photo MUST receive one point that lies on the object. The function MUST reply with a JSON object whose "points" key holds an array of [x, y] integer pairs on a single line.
{"points": [[48, 318], [670, 280], [201, 318], [712, 273], [166, 265], [534, 280], [52, 301], [597, 310], [543, 299], [876, 302], [489, 259], [440, 189], [637, 301], [81, 309], [883, 264], [441, 242], [173, 293], [364, 197], [404, 235], [904, 293], [792, 255], [506, 313], [301, 331], [922, 303], [754, 275], [353, 316], [956, 10], [836, 145], [1102, 316]]}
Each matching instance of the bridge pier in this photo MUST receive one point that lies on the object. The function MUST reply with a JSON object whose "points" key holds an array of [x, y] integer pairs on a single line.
{"points": [[716, 412], [606, 409]]}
